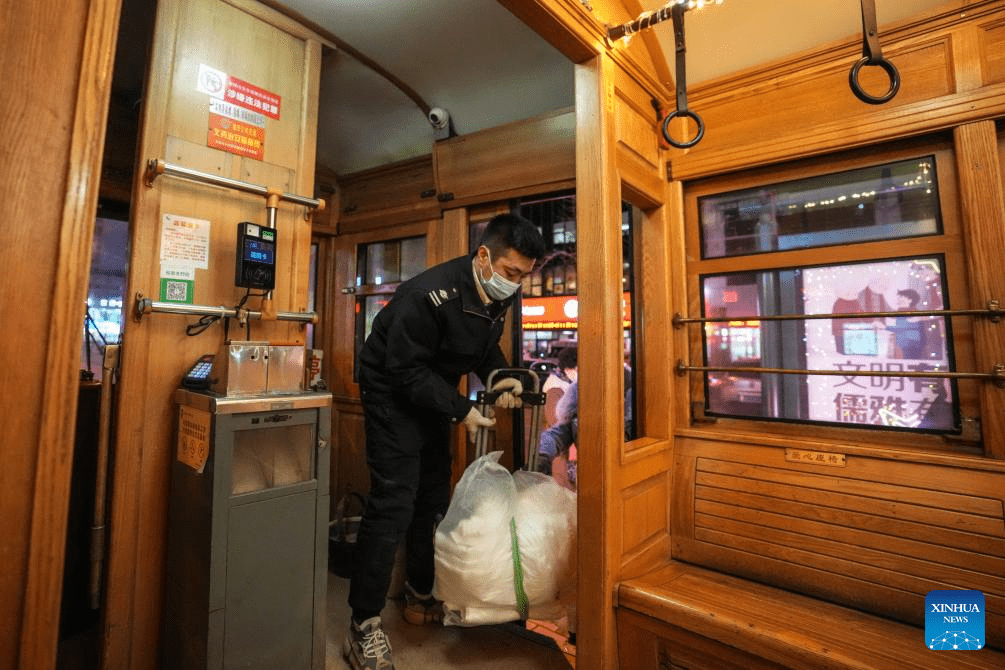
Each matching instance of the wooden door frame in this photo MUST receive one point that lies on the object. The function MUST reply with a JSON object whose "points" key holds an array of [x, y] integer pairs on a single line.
{"points": [[56, 393]]}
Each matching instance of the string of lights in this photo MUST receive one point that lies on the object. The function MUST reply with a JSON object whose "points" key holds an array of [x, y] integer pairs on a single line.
{"points": [[649, 19]]}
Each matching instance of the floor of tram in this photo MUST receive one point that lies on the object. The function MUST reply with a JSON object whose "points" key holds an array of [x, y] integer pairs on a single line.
{"points": [[539, 646]]}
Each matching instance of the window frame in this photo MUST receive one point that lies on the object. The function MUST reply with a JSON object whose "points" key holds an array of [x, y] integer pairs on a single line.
{"points": [[363, 291], [949, 244]]}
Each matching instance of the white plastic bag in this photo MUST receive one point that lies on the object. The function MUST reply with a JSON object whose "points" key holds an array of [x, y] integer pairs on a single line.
{"points": [[474, 546]]}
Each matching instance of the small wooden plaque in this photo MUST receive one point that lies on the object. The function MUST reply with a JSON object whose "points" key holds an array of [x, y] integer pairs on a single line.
{"points": [[815, 457]]}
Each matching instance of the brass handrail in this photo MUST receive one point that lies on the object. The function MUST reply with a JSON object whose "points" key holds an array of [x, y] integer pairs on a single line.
{"points": [[147, 306], [993, 311], [643, 21], [996, 376], [156, 166]]}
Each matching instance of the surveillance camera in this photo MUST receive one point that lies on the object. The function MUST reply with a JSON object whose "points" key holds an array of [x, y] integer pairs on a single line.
{"points": [[438, 117]]}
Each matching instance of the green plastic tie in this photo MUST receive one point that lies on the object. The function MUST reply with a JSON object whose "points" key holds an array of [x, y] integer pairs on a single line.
{"points": [[522, 602]]}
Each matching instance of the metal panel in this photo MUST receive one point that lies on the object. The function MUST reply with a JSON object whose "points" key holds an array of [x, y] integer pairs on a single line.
{"points": [[242, 405], [241, 368], [269, 615], [287, 368]]}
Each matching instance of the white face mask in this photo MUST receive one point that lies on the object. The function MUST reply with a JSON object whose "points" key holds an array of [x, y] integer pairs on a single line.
{"points": [[497, 287]]}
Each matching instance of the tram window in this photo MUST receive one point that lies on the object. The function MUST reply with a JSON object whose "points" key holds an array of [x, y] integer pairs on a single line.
{"points": [[631, 216], [549, 306], [392, 262], [827, 236], [890, 201], [105, 293], [848, 345], [549, 309], [380, 268]]}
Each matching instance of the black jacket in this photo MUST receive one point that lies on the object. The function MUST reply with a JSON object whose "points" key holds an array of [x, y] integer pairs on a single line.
{"points": [[434, 331]]}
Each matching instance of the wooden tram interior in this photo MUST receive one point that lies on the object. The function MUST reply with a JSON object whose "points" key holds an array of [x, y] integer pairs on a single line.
{"points": [[708, 537]]}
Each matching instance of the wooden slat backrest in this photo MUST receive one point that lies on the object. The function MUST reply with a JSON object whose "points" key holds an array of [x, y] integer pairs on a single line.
{"points": [[874, 533]]}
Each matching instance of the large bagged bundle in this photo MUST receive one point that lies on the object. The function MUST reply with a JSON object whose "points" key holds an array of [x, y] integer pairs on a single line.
{"points": [[506, 536]]}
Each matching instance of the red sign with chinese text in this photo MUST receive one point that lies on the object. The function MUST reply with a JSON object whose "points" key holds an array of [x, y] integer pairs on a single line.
{"points": [[236, 137], [251, 97]]}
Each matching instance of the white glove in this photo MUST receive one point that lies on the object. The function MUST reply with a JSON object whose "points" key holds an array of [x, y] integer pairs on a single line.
{"points": [[474, 420], [511, 389]]}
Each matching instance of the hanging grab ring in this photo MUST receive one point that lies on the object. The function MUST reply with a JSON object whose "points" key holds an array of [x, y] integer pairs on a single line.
{"points": [[677, 14], [888, 67], [872, 54], [687, 114]]}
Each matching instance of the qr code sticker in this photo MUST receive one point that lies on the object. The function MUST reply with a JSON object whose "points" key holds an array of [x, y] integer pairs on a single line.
{"points": [[177, 291]]}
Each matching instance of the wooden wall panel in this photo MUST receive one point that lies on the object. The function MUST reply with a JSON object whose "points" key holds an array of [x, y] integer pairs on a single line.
{"points": [[647, 643], [53, 129], [390, 195], [635, 121], [784, 116], [993, 52], [338, 317], [536, 154], [803, 106], [265, 49], [866, 531], [349, 469], [645, 514], [982, 198]]}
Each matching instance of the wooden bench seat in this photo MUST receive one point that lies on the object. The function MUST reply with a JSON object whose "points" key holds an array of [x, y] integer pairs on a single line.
{"points": [[685, 616], [816, 556]]}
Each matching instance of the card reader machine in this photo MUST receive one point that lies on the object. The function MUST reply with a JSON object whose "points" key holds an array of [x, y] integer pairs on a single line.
{"points": [[199, 376], [256, 257]]}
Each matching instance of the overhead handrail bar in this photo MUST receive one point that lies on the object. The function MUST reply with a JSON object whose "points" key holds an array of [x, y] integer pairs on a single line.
{"points": [[993, 311], [673, 10], [996, 376], [156, 166], [148, 306], [643, 21]]}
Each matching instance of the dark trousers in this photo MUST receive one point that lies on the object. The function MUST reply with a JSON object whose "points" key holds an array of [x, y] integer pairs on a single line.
{"points": [[408, 451]]}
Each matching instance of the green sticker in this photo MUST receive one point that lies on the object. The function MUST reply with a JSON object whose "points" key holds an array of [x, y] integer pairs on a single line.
{"points": [[177, 290], [268, 235]]}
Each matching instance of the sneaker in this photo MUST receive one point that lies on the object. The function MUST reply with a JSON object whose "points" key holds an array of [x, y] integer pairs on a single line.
{"points": [[420, 609], [366, 647]]}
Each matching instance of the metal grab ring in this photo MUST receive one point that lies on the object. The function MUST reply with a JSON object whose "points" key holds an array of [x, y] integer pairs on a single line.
{"points": [[891, 71], [687, 113]]}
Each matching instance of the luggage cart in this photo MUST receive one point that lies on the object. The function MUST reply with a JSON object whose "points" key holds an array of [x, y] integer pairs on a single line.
{"points": [[533, 399]]}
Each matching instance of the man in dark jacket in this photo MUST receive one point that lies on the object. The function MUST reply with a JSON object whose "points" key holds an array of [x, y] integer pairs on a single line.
{"points": [[438, 327]]}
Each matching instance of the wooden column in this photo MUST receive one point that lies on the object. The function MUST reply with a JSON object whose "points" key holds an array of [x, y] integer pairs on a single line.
{"points": [[449, 239], [57, 68], [601, 427], [983, 203]]}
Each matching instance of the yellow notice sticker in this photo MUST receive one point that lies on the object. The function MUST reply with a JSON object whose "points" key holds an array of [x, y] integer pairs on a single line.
{"points": [[193, 438]]}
